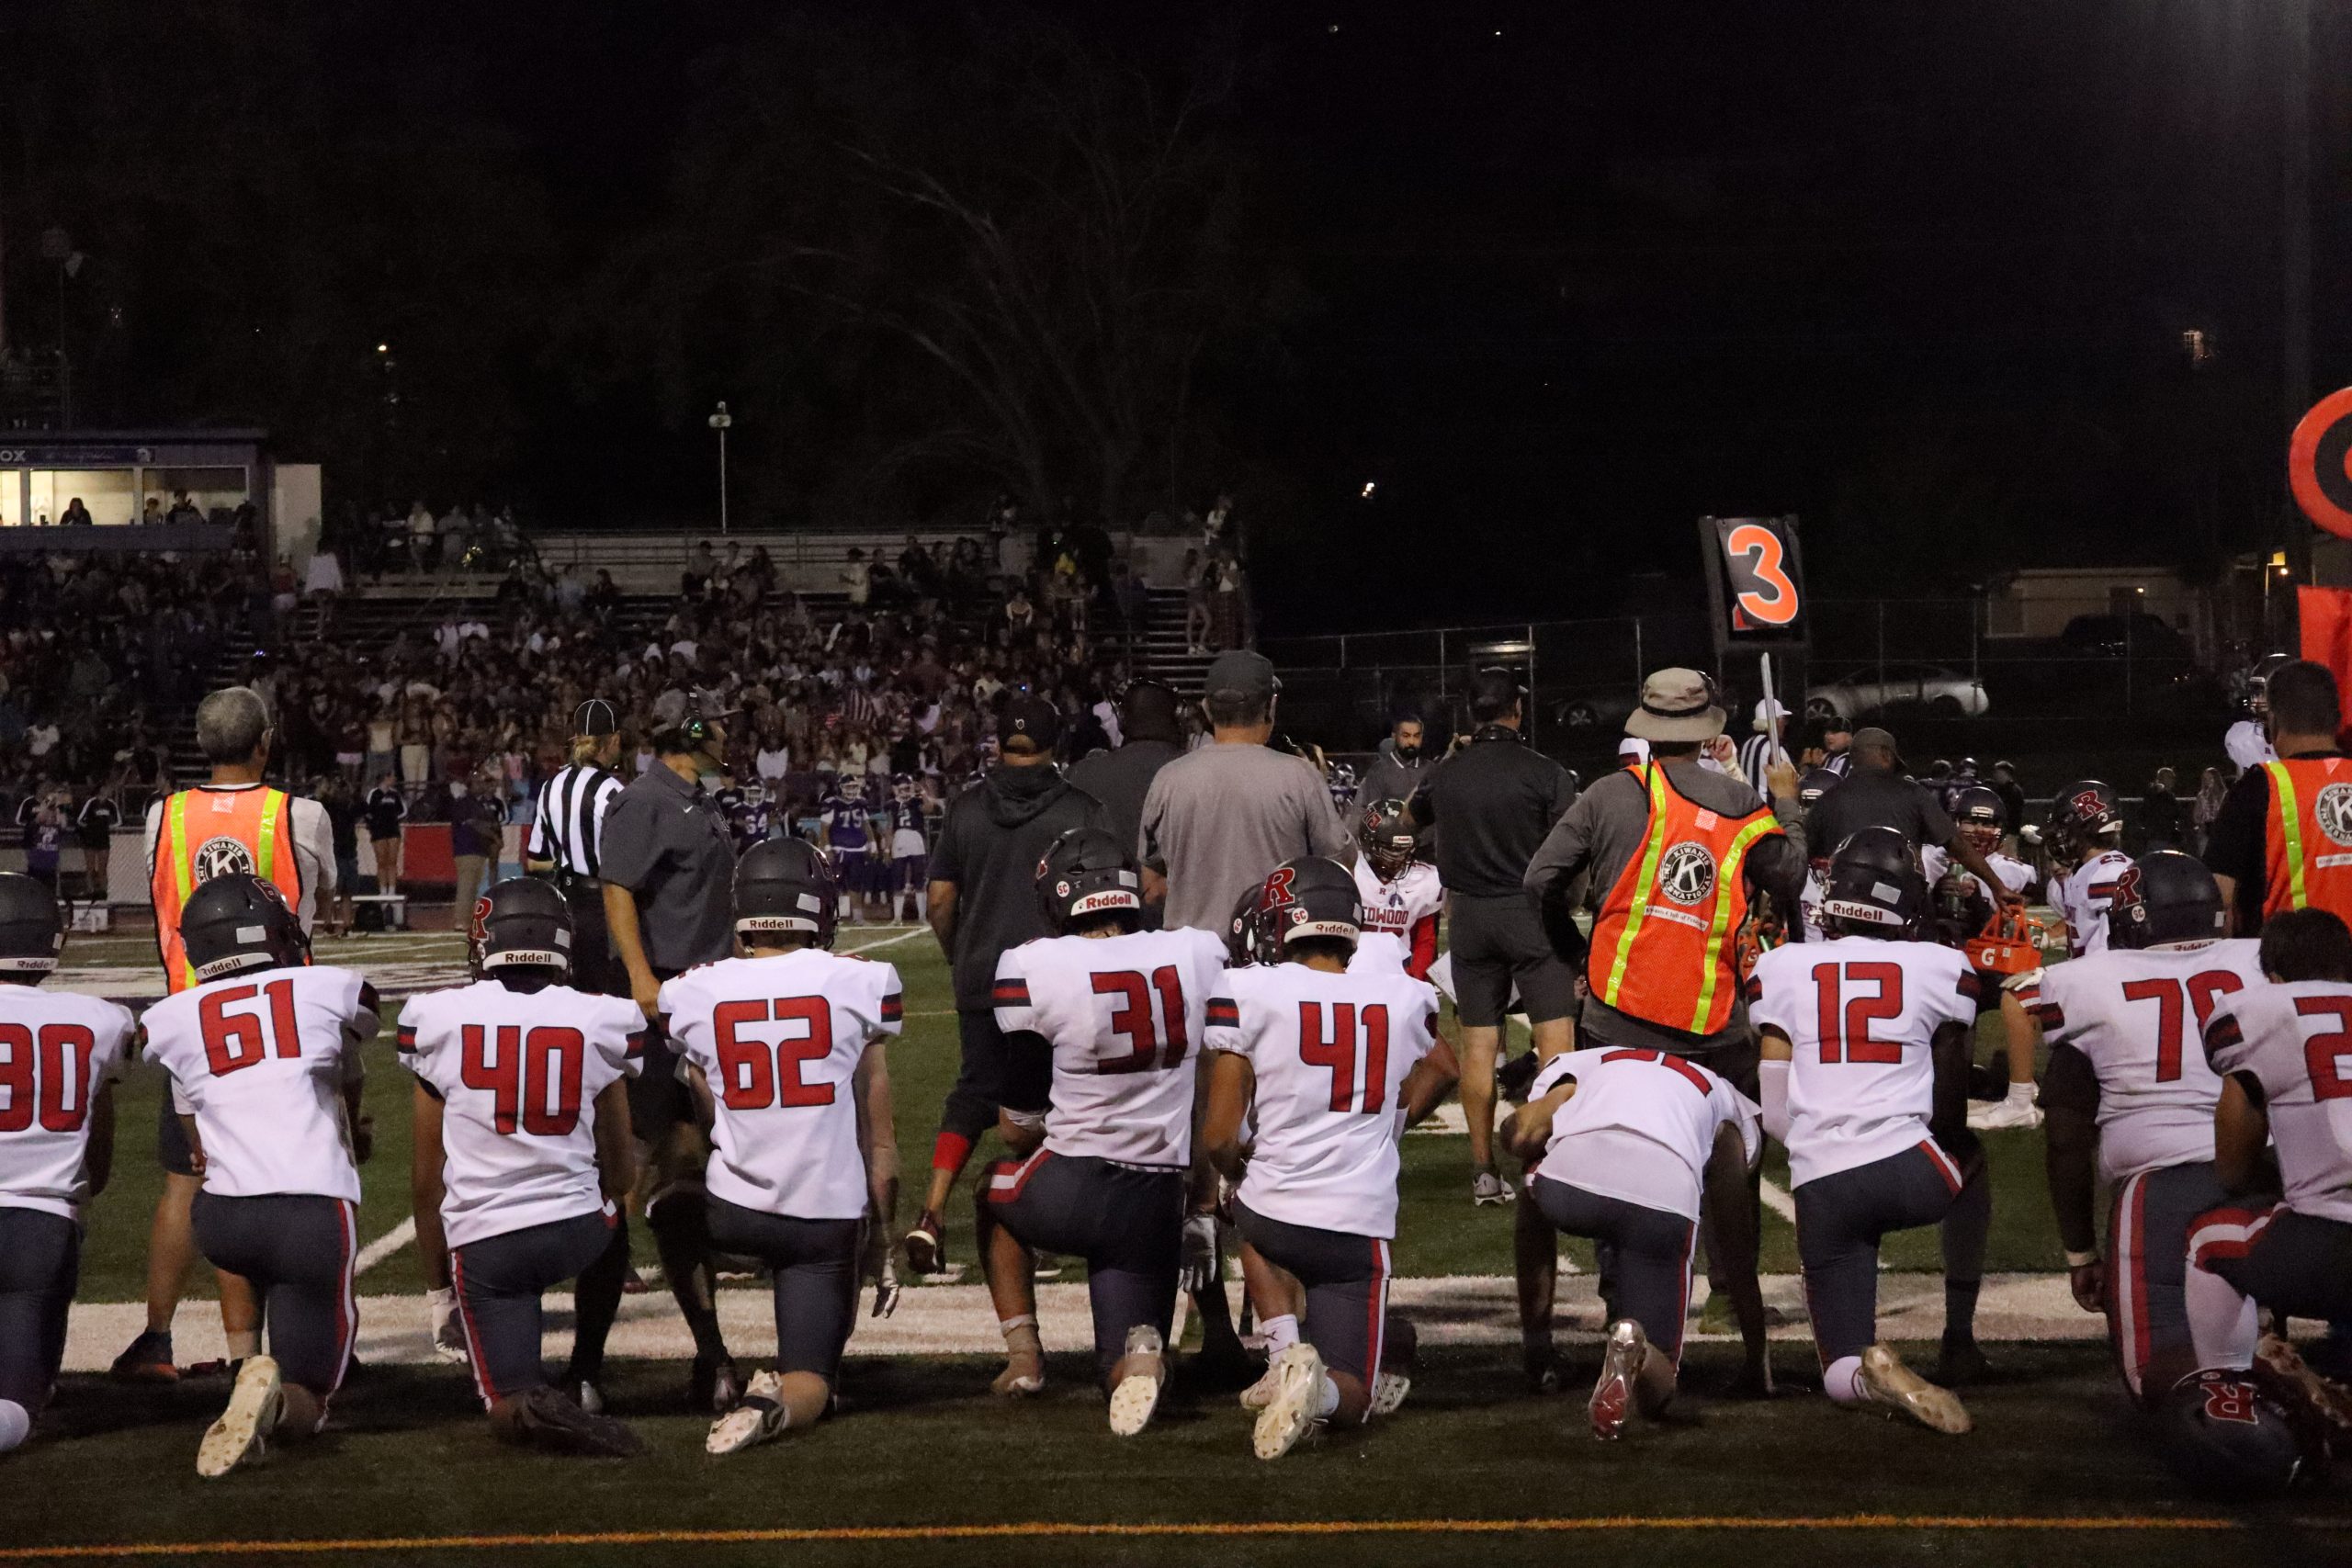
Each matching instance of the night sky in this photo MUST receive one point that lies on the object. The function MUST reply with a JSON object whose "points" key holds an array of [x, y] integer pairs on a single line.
{"points": [[1554, 279]]}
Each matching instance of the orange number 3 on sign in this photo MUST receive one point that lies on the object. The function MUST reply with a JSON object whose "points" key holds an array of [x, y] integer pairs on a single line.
{"points": [[1774, 602]]}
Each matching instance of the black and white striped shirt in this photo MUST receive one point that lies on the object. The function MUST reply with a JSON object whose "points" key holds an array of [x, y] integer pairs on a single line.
{"points": [[568, 826], [1755, 759]]}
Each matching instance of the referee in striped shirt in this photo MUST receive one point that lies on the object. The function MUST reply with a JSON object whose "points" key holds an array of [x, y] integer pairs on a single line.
{"points": [[568, 841], [1759, 750]]}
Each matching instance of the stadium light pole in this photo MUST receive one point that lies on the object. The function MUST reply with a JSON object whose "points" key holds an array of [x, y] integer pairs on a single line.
{"points": [[719, 422]]}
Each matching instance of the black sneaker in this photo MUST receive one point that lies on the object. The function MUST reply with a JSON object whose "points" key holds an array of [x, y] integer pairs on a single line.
{"points": [[147, 1359], [1960, 1362], [551, 1421], [715, 1386]]}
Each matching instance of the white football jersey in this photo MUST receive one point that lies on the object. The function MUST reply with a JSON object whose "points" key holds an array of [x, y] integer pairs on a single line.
{"points": [[1860, 1013], [260, 1059], [2248, 745], [1398, 907], [2082, 899], [56, 1050], [2295, 1042], [1124, 1016], [1330, 1052], [2139, 1017], [780, 1038], [517, 1074], [1641, 1125], [2015, 874], [1377, 953]]}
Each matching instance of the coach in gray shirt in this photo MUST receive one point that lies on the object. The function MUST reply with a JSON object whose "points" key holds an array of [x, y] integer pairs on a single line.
{"points": [[1219, 820]]}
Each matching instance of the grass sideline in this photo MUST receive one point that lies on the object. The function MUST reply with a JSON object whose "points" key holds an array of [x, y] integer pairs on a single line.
{"points": [[2055, 1465], [1439, 1233]]}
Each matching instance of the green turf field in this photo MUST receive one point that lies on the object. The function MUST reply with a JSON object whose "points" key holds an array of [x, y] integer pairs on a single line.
{"points": [[1474, 1464]]}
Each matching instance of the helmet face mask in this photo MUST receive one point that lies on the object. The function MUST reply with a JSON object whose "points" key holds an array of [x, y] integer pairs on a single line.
{"points": [[1387, 839], [1979, 818]]}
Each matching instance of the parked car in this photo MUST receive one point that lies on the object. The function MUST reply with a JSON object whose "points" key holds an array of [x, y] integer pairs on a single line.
{"points": [[1945, 693], [2136, 637], [1593, 712]]}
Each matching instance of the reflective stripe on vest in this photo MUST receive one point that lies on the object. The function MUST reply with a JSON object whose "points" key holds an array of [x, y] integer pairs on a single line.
{"points": [[1680, 984], [1654, 780], [2291, 831]]}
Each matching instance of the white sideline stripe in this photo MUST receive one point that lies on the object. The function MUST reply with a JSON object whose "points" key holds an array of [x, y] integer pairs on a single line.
{"points": [[1776, 1198], [890, 941], [384, 1245], [955, 1320]]}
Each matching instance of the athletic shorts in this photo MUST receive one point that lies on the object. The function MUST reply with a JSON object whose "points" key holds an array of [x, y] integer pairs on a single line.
{"points": [[1841, 1218], [171, 1140], [498, 1280], [41, 1257], [1126, 1221], [295, 1249], [347, 872], [978, 1089], [1497, 946], [1644, 1253], [815, 1265], [2147, 1248], [856, 870], [1346, 1279], [2297, 1265], [910, 874]]}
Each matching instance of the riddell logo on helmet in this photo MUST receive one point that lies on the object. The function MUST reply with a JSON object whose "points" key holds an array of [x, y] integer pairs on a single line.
{"points": [[1109, 898]]}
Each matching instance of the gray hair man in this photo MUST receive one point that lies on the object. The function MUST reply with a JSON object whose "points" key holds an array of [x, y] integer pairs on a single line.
{"points": [[232, 822]]}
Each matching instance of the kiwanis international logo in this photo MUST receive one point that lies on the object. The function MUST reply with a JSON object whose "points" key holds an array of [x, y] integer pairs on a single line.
{"points": [[222, 856], [2334, 810], [1687, 874]]}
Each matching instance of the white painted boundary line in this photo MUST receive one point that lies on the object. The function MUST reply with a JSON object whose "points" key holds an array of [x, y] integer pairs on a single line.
{"points": [[384, 1245], [890, 941]]}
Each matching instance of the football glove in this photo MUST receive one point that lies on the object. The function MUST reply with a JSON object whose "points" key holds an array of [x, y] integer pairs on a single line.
{"points": [[449, 1333], [1200, 1270]]}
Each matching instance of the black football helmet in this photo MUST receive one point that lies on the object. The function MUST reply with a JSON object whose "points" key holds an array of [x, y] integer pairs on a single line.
{"points": [[522, 924], [1816, 783], [1875, 887], [1313, 895], [2224, 1434], [1087, 873], [1979, 816], [2082, 813], [236, 921], [32, 933], [1387, 838], [1241, 931], [2164, 896], [786, 885]]}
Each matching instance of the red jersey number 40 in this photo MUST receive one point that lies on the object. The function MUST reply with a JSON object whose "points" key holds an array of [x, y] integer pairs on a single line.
{"points": [[532, 1076]]}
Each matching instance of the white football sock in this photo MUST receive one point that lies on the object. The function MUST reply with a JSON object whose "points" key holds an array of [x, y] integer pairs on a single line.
{"points": [[2221, 1321], [1328, 1401], [1280, 1333], [16, 1424], [1843, 1380], [2022, 1094]]}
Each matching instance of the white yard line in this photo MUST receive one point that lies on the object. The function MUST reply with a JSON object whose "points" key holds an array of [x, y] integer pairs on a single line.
{"points": [[1776, 1198], [958, 1319], [890, 941], [384, 1245]]}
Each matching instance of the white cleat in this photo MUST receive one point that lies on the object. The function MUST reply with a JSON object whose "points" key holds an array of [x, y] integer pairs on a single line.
{"points": [[1388, 1392], [242, 1435], [1260, 1394], [1620, 1366], [1137, 1394], [1886, 1380], [1291, 1414], [759, 1419], [1486, 1189], [2001, 1116]]}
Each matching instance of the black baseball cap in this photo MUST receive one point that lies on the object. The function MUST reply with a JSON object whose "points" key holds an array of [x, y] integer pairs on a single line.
{"points": [[594, 716], [1242, 672], [1032, 717]]}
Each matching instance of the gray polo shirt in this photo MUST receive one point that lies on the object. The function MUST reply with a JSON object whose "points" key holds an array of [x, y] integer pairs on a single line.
{"points": [[667, 843], [1221, 819]]}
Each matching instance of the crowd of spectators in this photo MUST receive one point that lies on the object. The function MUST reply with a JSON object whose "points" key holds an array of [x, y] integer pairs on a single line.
{"points": [[897, 674]]}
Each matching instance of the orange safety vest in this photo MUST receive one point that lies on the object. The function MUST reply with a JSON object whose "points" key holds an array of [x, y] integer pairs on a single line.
{"points": [[205, 833], [2307, 840], [1662, 944]]}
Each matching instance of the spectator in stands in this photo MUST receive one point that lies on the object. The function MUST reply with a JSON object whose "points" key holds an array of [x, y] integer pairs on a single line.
{"points": [[421, 557], [385, 810], [2159, 813], [152, 513], [94, 825], [2212, 789], [183, 510], [41, 816], [1196, 605], [77, 514], [334, 793]]}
